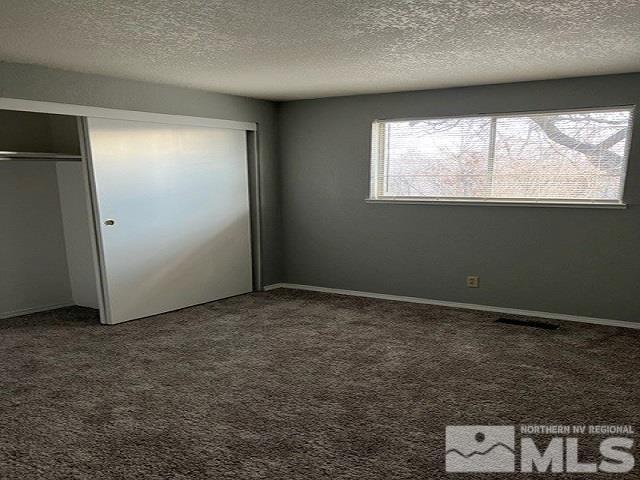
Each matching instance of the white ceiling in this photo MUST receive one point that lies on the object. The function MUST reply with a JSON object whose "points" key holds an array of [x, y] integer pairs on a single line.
{"points": [[289, 49]]}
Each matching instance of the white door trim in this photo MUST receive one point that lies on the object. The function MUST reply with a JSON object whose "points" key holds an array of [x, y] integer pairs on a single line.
{"points": [[467, 306], [88, 111]]}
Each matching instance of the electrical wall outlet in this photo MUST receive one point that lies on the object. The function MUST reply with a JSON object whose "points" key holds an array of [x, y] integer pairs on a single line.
{"points": [[473, 281]]}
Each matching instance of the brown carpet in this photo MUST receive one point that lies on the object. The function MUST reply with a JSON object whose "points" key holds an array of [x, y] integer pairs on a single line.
{"points": [[293, 385]]}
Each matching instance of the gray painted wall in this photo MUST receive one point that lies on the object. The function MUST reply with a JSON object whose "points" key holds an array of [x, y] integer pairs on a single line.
{"points": [[563, 260], [575, 261], [44, 84]]}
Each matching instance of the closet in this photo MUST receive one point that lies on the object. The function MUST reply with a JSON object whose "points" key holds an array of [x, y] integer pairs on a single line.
{"points": [[132, 213], [173, 208], [46, 257]]}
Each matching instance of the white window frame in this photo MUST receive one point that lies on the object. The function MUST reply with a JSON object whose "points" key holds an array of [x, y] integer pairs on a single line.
{"points": [[377, 162]]}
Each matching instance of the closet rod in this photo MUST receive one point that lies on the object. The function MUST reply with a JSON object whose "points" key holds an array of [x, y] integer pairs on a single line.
{"points": [[37, 156]]}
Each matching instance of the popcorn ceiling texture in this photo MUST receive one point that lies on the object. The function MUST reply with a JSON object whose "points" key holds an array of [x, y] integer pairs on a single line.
{"points": [[299, 49]]}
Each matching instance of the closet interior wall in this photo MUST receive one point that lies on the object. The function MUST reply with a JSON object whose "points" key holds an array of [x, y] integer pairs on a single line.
{"points": [[46, 256]]}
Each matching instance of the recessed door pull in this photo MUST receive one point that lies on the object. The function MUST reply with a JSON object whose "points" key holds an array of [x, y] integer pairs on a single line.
{"points": [[109, 222]]}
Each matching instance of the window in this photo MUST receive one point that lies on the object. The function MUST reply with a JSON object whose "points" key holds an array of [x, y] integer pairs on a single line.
{"points": [[575, 157]]}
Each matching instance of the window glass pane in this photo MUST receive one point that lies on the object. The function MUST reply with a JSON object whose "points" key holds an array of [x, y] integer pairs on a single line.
{"points": [[560, 156], [555, 156], [437, 158]]}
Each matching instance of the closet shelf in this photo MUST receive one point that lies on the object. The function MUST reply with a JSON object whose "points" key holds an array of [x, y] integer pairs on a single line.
{"points": [[39, 156]]}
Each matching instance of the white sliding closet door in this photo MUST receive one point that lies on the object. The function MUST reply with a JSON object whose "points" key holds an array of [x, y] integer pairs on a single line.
{"points": [[173, 213]]}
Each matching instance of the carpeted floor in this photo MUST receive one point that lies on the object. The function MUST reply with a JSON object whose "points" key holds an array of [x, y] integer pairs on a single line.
{"points": [[293, 385]]}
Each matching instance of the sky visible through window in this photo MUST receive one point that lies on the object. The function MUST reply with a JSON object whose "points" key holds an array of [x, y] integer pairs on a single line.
{"points": [[556, 156]]}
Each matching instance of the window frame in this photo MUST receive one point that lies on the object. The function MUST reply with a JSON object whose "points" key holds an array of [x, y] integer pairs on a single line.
{"points": [[377, 161]]}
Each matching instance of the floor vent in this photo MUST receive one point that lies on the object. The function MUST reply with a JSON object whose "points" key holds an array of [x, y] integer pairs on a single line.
{"points": [[528, 323]]}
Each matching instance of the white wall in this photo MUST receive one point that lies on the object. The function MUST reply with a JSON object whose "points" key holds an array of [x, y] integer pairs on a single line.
{"points": [[33, 261], [77, 233]]}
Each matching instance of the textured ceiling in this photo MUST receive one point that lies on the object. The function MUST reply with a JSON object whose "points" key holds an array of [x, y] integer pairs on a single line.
{"points": [[305, 49]]}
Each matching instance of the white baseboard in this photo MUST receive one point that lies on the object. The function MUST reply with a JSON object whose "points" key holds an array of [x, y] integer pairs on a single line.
{"points": [[468, 306], [275, 286], [27, 311]]}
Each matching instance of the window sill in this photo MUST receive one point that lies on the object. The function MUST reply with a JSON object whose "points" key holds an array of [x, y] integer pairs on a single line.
{"points": [[498, 203]]}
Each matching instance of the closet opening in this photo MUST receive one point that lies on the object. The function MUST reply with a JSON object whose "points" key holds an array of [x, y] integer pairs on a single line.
{"points": [[47, 240]]}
